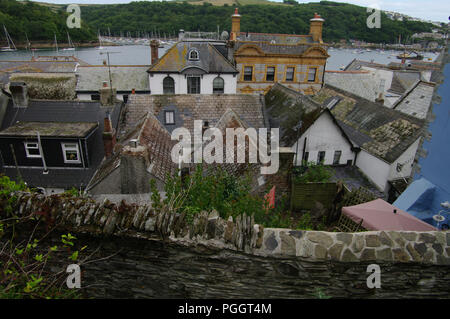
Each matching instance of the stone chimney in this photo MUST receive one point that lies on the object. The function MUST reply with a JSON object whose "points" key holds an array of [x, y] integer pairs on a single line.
{"points": [[107, 95], [154, 46], [315, 28], [19, 94], [181, 35], [109, 137], [235, 25], [134, 170]]}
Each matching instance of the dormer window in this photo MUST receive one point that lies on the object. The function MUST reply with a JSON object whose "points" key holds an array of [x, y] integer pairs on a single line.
{"points": [[193, 55]]}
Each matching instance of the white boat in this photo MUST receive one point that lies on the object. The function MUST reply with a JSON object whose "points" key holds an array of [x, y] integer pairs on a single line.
{"points": [[10, 42], [100, 41], [71, 46]]}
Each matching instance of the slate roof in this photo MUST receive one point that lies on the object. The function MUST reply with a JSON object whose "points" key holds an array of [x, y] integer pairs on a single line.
{"points": [[403, 81], [191, 107], [274, 38], [273, 48], [175, 60], [62, 112], [417, 100], [285, 108], [124, 78], [50, 129], [357, 65], [383, 132]]}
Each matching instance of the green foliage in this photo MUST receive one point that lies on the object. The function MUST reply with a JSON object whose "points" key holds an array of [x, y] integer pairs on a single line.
{"points": [[7, 187], [39, 22], [218, 191], [320, 294], [305, 222], [312, 173], [24, 272], [342, 21], [73, 192]]}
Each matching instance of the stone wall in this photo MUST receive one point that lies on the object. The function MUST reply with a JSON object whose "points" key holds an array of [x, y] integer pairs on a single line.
{"points": [[163, 255]]}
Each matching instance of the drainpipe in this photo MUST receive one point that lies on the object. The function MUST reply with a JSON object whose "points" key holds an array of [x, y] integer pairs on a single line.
{"points": [[42, 153]]}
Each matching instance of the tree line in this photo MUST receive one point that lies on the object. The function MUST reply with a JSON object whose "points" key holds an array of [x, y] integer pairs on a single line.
{"points": [[342, 21]]}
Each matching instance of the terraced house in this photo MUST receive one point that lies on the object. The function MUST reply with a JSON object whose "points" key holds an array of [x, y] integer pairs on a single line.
{"points": [[262, 59]]}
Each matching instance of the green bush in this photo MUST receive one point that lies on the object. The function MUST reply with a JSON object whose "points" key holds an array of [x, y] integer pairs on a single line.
{"points": [[312, 173]]}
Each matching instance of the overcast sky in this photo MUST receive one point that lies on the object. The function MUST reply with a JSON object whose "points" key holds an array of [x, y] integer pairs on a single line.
{"points": [[436, 10]]}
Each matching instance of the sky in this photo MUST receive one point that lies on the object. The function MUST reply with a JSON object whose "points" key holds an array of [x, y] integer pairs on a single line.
{"points": [[435, 10]]}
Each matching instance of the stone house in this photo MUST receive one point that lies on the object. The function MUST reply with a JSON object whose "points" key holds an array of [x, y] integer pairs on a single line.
{"points": [[262, 59]]}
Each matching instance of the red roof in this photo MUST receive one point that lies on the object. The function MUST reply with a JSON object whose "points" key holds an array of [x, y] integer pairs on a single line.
{"points": [[380, 215]]}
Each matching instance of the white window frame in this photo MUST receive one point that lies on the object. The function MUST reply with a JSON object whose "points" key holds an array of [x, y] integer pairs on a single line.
{"points": [[27, 147], [171, 115], [66, 148], [194, 58]]}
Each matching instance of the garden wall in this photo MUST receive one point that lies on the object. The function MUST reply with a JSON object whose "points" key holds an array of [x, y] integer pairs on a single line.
{"points": [[161, 255]]}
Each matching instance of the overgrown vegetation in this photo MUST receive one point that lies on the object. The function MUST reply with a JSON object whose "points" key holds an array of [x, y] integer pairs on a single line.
{"points": [[312, 173], [25, 260]]}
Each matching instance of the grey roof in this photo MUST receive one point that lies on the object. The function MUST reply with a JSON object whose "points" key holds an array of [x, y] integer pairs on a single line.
{"points": [[357, 65], [124, 78], [403, 81], [285, 108], [175, 60], [63, 112], [38, 66], [416, 101], [383, 132], [274, 48], [191, 107], [362, 83], [50, 129], [275, 38]]}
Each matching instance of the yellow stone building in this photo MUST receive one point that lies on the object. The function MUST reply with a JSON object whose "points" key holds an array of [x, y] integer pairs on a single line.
{"points": [[262, 59]]}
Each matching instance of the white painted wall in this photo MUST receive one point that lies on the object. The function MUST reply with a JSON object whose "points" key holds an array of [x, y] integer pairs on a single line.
{"points": [[374, 168], [206, 83], [407, 159], [87, 97], [324, 135]]}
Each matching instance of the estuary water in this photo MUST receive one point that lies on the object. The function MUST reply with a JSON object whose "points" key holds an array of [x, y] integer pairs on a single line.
{"points": [[140, 55]]}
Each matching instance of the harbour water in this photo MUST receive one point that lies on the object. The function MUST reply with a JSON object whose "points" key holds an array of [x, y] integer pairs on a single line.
{"points": [[140, 55]]}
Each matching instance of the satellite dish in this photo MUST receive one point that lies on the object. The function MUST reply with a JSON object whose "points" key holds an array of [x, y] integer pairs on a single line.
{"points": [[438, 218], [224, 35]]}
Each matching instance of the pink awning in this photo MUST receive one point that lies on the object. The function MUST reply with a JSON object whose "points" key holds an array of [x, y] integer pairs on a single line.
{"points": [[379, 215]]}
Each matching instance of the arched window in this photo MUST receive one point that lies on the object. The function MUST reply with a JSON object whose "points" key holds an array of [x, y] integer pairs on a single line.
{"points": [[168, 85], [218, 85], [193, 55]]}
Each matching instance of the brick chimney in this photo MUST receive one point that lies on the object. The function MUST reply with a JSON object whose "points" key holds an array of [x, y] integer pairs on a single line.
{"points": [[315, 29], [109, 137], [19, 94], [235, 25], [154, 45], [107, 95]]}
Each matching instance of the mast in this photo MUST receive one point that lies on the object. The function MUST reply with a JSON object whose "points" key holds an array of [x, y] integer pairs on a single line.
{"points": [[56, 44]]}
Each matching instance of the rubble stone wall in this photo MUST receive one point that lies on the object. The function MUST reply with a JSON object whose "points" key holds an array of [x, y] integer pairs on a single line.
{"points": [[83, 215]]}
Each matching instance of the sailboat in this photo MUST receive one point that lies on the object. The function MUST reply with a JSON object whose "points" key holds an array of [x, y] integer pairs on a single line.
{"points": [[100, 41], [56, 44], [71, 46], [10, 42]]}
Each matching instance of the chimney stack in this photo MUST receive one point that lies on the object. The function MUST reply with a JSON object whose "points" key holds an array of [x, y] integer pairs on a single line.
{"points": [[109, 137], [154, 45], [19, 94], [235, 25], [380, 99], [315, 29], [107, 94]]}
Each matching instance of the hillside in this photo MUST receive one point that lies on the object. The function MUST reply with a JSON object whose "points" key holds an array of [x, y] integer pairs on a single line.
{"points": [[40, 22], [342, 21]]}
